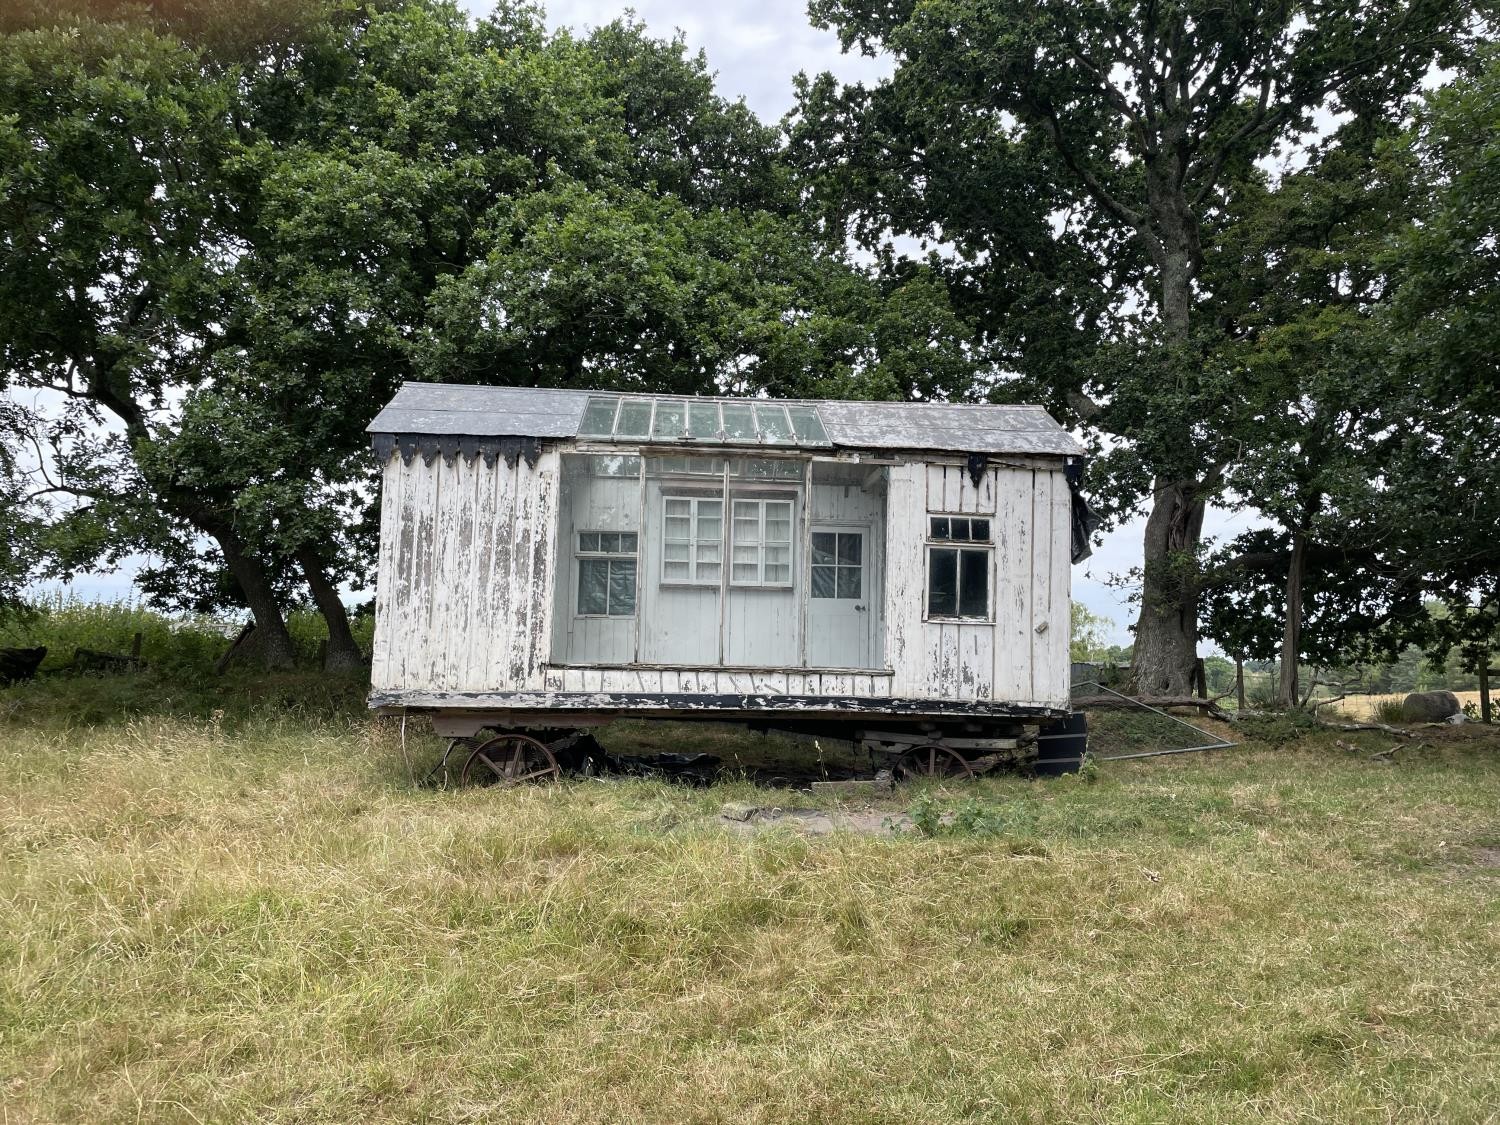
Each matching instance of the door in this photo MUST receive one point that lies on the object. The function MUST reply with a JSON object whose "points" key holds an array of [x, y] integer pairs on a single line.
{"points": [[841, 617]]}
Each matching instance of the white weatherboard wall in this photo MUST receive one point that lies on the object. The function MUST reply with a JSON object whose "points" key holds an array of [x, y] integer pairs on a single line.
{"points": [[463, 599], [1021, 655]]}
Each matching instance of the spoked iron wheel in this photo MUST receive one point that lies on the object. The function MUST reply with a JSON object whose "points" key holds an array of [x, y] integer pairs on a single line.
{"points": [[930, 763], [510, 759]]}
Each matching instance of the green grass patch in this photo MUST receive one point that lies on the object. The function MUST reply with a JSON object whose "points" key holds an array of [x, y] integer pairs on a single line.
{"points": [[265, 919]]}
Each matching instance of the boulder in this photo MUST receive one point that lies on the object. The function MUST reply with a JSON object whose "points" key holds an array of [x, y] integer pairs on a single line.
{"points": [[1430, 706], [17, 664]]}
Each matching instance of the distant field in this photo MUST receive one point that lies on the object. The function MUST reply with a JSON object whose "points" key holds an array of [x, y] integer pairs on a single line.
{"points": [[216, 920], [1364, 706]]}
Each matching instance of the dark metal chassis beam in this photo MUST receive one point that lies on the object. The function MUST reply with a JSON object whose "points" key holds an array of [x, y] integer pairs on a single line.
{"points": [[452, 711]]}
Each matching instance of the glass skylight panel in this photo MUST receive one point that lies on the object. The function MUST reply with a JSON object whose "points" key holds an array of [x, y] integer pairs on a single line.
{"points": [[599, 418], [703, 420], [808, 425], [635, 418], [770, 420], [739, 422], [670, 422]]}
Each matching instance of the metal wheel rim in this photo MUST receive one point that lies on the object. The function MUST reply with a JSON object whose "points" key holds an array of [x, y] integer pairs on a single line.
{"points": [[510, 759], [932, 762]]}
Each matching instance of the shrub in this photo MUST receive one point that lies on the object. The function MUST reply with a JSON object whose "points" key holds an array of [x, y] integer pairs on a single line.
{"points": [[1391, 711]]}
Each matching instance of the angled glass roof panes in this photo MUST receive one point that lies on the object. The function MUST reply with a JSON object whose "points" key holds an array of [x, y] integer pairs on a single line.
{"points": [[808, 425], [771, 421], [739, 422], [703, 420], [599, 418], [635, 418], [670, 420]]}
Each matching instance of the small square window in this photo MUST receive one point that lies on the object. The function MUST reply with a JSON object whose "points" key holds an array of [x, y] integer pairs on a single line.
{"points": [[958, 582], [941, 527]]}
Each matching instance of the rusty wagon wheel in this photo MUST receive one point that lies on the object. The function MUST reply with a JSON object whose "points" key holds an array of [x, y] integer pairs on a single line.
{"points": [[932, 762], [509, 759]]}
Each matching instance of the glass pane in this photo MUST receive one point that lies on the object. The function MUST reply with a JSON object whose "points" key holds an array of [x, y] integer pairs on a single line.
{"points": [[849, 581], [588, 540], [823, 543], [979, 531], [622, 587], [851, 548], [670, 421], [823, 583], [958, 529], [675, 571], [703, 420], [939, 527], [593, 586], [673, 551], [942, 582], [710, 509], [599, 418], [750, 554], [808, 425], [628, 542], [974, 584], [710, 552], [678, 507], [615, 465], [746, 572], [779, 574], [739, 422], [679, 527], [778, 554], [635, 418], [772, 424], [778, 530], [710, 530]]}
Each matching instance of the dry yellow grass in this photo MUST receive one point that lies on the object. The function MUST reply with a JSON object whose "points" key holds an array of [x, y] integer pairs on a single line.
{"points": [[198, 925]]}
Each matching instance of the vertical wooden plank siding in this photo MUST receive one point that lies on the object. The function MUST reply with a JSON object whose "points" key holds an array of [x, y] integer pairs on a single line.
{"points": [[386, 595], [906, 577], [1013, 586], [1054, 680]]}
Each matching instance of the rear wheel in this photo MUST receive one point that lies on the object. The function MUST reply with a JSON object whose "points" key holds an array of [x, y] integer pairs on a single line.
{"points": [[510, 759], [932, 762]]}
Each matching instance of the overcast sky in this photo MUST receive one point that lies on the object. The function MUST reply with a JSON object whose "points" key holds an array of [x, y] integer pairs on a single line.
{"points": [[756, 47]]}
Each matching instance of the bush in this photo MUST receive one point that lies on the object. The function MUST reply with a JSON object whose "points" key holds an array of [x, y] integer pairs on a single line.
{"points": [[1391, 711], [67, 624]]}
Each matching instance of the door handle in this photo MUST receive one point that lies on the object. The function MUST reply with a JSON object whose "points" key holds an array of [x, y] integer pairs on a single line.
{"points": [[859, 609]]}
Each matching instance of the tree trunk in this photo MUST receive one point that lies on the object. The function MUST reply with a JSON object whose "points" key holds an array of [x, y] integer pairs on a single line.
{"points": [[1239, 681], [275, 643], [342, 653], [1291, 634], [1166, 633]]}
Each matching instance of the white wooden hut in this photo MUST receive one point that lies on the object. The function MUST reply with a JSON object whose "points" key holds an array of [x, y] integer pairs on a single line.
{"points": [[557, 558]]}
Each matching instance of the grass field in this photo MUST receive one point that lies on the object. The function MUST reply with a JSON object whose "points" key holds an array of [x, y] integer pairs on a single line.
{"points": [[261, 918], [1364, 707]]}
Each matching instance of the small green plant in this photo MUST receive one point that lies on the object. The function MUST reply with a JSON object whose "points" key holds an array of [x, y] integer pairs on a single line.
{"points": [[1391, 711]]}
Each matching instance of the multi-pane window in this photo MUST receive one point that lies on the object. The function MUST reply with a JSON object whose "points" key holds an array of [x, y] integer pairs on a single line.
{"points": [[837, 564], [692, 542], [606, 573], [958, 567], [762, 543]]}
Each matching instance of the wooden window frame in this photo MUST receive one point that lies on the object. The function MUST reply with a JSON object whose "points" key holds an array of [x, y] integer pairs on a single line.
{"points": [[760, 544], [695, 542], [959, 547], [610, 558]]}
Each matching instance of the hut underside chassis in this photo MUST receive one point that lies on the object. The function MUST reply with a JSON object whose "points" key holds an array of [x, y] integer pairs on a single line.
{"points": [[912, 738]]}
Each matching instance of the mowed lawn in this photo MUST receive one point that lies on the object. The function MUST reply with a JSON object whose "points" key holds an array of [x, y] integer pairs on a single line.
{"points": [[273, 923]]}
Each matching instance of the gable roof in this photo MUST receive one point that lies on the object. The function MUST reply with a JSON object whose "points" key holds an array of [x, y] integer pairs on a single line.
{"points": [[459, 410]]}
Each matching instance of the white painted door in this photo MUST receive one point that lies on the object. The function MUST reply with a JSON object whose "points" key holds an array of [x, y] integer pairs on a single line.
{"points": [[842, 601]]}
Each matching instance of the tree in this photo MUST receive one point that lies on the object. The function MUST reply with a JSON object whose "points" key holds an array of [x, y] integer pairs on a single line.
{"points": [[1128, 127], [115, 273]]}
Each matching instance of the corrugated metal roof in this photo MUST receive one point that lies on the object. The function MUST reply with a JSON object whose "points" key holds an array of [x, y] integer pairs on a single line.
{"points": [[447, 409]]}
